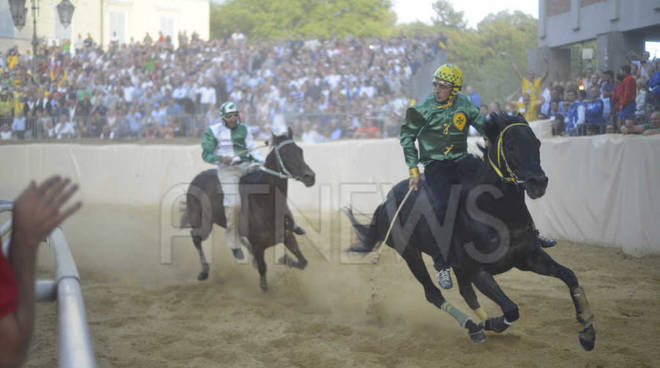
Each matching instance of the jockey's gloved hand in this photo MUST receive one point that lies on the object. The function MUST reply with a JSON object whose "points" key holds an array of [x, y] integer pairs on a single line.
{"points": [[254, 166], [414, 178]]}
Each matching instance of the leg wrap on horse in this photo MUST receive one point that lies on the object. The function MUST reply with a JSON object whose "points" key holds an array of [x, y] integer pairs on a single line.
{"points": [[459, 316], [584, 314], [481, 314]]}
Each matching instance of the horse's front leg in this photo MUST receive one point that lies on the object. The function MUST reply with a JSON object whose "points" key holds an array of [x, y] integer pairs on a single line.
{"points": [[540, 262], [489, 287], [416, 265], [291, 244], [468, 294]]}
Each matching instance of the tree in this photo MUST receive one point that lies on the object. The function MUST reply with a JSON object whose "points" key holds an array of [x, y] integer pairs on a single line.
{"points": [[279, 19], [448, 17]]}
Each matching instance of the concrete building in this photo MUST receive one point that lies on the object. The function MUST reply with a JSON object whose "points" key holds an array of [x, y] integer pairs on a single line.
{"points": [[104, 18], [618, 26]]}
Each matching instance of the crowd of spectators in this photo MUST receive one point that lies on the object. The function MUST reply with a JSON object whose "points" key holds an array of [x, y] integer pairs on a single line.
{"points": [[626, 101], [326, 89]]}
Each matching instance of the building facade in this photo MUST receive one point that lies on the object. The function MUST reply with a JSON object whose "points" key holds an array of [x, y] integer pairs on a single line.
{"points": [[618, 26], [105, 19]]}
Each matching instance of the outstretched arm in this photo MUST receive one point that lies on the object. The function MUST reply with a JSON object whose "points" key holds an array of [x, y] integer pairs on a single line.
{"points": [[547, 70], [515, 69], [36, 213]]}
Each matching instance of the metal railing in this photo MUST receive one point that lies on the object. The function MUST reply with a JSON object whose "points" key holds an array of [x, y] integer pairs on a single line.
{"points": [[75, 345]]}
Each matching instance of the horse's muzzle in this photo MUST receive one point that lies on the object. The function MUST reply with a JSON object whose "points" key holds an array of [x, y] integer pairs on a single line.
{"points": [[536, 186], [308, 179]]}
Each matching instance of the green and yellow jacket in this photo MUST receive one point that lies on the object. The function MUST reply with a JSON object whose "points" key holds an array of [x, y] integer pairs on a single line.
{"points": [[441, 131]]}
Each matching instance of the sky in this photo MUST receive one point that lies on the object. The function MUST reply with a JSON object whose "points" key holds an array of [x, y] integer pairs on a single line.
{"points": [[474, 10]]}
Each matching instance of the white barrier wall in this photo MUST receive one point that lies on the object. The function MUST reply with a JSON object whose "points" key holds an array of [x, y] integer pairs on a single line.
{"points": [[602, 189]]}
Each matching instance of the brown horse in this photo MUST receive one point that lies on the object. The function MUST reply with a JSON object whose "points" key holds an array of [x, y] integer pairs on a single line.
{"points": [[263, 195]]}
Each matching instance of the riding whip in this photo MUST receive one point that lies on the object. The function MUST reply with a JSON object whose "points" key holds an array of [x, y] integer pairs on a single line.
{"points": [[396, 214], [251, 149]]}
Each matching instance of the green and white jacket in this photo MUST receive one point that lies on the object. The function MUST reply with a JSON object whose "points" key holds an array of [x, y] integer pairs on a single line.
{"points": [[218, 140]]}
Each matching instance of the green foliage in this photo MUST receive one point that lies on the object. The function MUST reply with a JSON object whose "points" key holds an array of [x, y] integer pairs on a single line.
{"points": [[446, 15], [485, 54], [280, 19]]}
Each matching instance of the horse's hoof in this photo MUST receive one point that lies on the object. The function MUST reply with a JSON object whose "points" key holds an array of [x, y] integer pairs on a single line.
{"points": [[283, 260], [263, 284], [496, 324], [587, 338], [478, 337], [476, 332], [203, 276]]}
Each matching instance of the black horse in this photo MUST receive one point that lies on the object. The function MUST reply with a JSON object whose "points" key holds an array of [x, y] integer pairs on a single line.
{"points": [[263, 196], [488, 229]]}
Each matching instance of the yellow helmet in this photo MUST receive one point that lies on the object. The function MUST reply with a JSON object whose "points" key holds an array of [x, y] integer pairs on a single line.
{"points": [[450, 73]]}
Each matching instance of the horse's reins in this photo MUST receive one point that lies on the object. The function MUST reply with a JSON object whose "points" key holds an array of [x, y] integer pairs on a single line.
{"points": [[511, 176], [284, 174]]}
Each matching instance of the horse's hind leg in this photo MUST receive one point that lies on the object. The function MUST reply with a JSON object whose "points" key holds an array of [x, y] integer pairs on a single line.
{"points": [[467, 292], [489, 287], [292, 245], [434, 296], [204, 274], [540, 262], [258, 252]]}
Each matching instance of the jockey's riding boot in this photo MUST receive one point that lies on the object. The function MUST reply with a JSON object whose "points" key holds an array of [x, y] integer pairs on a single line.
{"points": [[544, 242], [238, 253], [298, 230]]}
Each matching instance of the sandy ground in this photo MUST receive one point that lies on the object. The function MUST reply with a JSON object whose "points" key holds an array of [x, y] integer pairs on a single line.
{"points": [[343, 315]]}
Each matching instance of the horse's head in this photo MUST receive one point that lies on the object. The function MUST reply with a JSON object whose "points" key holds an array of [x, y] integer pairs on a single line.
{"points": [[514, 153], [287, 159]]}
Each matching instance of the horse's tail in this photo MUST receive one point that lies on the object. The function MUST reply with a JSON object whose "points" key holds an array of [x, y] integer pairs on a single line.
{"points": [[368, 235]]}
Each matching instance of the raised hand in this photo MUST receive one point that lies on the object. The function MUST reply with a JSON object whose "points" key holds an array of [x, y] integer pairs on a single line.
{"points": [[38, 210]]}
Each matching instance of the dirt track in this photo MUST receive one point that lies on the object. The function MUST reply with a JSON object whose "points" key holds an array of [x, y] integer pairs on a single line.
{"points": [[333, 315]]}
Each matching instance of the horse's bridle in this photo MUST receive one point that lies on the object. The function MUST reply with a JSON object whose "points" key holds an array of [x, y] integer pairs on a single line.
{"points": [[510, 176], [284, 173]]}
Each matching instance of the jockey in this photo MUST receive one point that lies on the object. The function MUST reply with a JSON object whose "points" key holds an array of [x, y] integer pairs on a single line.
{"points": [[440, 124], [230, 145]]}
